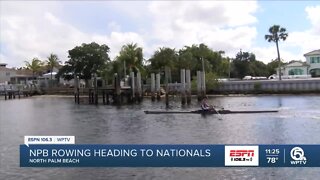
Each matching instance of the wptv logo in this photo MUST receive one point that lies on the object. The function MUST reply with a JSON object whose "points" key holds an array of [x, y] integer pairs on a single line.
{"points": [[297, 156], [241, 156]]}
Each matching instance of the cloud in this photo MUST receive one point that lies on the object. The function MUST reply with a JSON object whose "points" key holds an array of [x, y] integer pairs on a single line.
{"points": [[307, 40], [266, 54], [34, 30], [30, 29], [314, 17], [118, 39], [298, 42], [225, 25], [222, 25], [114, 26], [37, 34]]}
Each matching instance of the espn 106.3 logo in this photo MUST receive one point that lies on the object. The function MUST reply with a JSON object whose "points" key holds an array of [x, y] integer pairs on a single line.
{"points": [[241, 156]]}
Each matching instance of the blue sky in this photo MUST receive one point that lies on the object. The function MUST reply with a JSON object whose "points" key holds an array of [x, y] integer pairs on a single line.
{"points": [[289, 14], [36, 29]]}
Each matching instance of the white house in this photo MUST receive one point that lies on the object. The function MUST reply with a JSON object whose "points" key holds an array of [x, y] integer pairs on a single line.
{"points": [[14, 76], [310, 67], [294, 68], [313, 59], [5, 73]]}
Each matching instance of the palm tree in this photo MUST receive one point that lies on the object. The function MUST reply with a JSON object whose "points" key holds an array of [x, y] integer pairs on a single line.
{"points": [[52, 62], [35, 66], [277, 33], [131, 56]]}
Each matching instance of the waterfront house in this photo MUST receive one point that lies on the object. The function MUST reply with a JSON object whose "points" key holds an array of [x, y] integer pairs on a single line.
{"points": [[294, 68], [311, 67], [5, 73], [313, 59], [22, 76], [14, 76]]}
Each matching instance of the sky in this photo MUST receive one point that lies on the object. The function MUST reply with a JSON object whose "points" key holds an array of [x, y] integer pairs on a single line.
{"points": [[31, 29]]}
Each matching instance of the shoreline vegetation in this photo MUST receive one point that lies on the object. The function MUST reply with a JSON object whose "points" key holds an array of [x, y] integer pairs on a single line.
{"points": [[91, 60], [197, 67]]}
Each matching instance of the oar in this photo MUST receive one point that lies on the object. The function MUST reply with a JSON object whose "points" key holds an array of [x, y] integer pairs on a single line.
{"points": [[220, 117]]}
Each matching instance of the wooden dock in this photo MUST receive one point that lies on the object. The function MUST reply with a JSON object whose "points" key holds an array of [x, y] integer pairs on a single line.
{"points": [[112, 94], [132, 92], [12, 92]]}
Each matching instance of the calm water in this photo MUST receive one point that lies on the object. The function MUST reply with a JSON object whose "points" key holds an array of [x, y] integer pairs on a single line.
{"points": [[298, 122]]}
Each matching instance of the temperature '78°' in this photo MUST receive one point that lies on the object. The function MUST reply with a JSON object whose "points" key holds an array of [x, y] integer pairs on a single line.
{"points": [[272, 160]]}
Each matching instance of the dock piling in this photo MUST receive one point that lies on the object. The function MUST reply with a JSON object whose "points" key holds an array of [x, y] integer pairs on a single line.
{"points": [[199, 85], [183, 86], [188, 86], [95, 86], [76, 89], [153, 85], [103, 97], [167, 71], [203, 84], [139, 88], [132, 95], [158, 90], [117, 94], [108, 100]]}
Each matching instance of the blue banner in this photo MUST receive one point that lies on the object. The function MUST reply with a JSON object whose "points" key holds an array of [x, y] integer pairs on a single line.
{"points": [[289, 155], [82, 155], [121, 155]]}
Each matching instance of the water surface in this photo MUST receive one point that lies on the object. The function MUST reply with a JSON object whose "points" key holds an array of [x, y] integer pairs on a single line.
{"points": [[298, 122]]}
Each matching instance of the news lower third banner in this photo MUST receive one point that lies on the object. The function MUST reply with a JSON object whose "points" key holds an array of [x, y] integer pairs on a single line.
{"points": [[90, 155], [61, 151]]}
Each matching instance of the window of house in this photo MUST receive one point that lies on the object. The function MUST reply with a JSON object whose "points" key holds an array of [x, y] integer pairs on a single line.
{"points": [[318, 59], [312, 59], [296, 72]]}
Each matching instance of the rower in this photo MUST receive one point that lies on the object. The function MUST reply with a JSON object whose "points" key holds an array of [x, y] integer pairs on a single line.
{"points": [[205, 106]]}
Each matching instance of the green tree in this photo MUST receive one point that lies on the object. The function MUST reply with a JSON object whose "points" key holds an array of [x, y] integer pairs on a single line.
{"points": [[241, 64], [211, 82], [258, 68], [85, 60], [222, 68], [131, 56], [191, 57], [108, 71], [245, 64], [163, 57], [186, 59], [277, 33], [272, 66], [35, 66], [52, 62]]}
